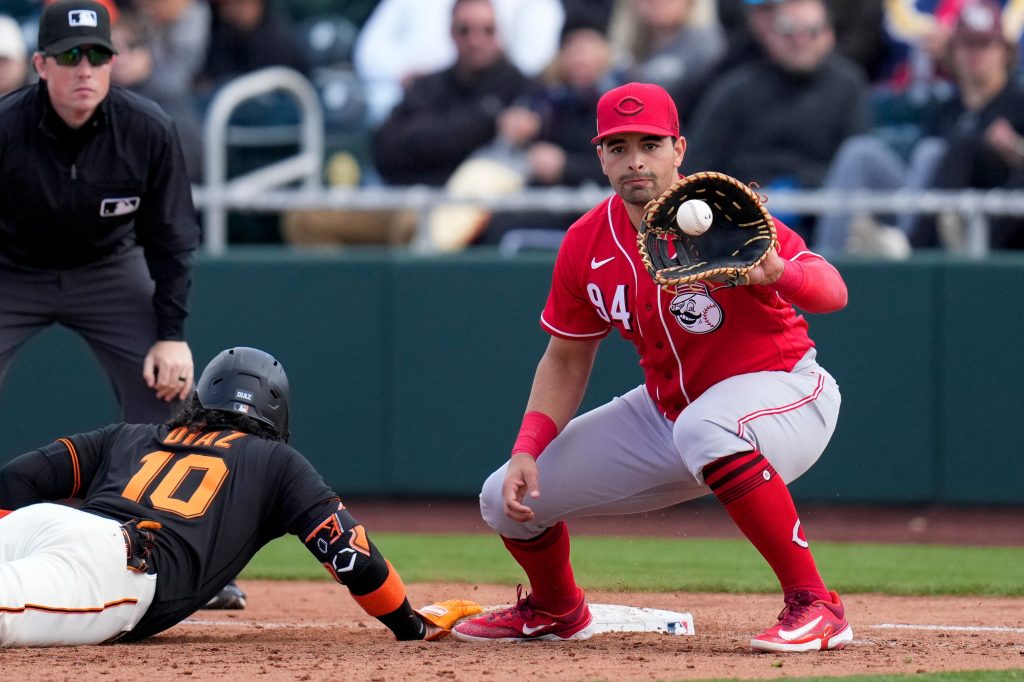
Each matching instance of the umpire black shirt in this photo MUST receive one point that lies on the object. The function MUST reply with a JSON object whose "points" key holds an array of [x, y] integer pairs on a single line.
{"points": [[69, 198]]}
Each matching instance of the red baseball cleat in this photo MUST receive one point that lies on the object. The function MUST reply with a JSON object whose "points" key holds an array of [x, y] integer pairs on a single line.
{"points": [[807, 625], [523, 623]]}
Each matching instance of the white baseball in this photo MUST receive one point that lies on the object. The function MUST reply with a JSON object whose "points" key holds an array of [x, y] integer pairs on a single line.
{"points": [[694, 217]]}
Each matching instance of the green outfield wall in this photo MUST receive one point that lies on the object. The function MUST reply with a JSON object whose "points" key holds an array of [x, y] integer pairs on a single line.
{"points": [[410, 373]]}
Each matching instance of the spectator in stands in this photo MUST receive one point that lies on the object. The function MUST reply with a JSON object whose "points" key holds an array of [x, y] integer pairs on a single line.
{"points": [[447, 115], [778, 121], [596, 13], [14, 71], [919, 32], [673, 43], [745, 23], [544, 135], [404, 39], [135, 69], [354, 11], [548, 121], [245, 36], [974, 140], [860, 34], [180, 33]]}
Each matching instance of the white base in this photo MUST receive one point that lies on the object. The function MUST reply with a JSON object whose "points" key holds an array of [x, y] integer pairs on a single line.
{"points": [[616, 618]]}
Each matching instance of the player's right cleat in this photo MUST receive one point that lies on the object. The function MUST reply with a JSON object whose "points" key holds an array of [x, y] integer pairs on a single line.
{"points": [[230, 597], [524, 623], [806, 624]]}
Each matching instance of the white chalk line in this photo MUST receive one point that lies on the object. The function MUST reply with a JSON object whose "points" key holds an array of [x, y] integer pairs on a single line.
{"points": [[259, 625], [951, 628], [880, 626]]}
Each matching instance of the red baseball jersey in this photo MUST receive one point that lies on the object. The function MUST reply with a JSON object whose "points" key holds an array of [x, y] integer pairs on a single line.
{"points": [[689, 338]]}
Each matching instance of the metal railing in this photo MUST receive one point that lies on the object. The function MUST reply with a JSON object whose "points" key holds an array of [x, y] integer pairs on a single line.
{"points": [[265, 189], [976, 207], [219, 194]]}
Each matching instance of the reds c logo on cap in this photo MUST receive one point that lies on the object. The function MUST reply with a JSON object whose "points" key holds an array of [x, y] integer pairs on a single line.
{"points": [[629, 106], [636, 108], [82, 17]]}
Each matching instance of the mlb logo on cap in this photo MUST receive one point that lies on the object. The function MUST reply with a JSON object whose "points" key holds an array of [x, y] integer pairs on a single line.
{"points": [[66, 24], [82, 17]]}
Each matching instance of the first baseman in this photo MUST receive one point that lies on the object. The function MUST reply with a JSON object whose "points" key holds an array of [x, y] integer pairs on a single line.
{"points": [[734, 401], [167, 514]]}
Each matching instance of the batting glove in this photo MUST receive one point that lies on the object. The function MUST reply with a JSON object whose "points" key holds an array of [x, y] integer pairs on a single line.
{"points": [[442, 616]]}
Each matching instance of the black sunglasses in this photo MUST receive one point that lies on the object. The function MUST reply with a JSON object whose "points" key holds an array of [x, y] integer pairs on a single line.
{"points": [[97, 56]]}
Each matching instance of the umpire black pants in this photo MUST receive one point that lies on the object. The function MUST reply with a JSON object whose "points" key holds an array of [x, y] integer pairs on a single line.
{"points": [[109, 304]]}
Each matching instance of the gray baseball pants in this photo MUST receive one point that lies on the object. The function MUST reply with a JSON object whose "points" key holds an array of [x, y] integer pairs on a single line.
{"points": [[109, 304]]}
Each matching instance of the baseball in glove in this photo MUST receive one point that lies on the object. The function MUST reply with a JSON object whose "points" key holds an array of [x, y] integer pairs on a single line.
{"points": [[741, 233]]}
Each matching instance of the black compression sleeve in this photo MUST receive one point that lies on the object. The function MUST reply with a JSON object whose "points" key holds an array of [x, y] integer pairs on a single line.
{"points": [[340, 543]]}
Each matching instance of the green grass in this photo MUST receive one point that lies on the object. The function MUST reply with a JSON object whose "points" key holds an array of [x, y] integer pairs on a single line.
{"points": [[668, 565]]}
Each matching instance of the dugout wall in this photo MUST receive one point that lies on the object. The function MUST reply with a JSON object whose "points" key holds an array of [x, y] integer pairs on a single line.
{"points": [[410, 373]]}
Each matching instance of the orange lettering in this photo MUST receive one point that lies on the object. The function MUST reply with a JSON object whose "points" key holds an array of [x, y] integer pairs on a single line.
{"points": [[175, 435], [225, 442], [207, 438]]}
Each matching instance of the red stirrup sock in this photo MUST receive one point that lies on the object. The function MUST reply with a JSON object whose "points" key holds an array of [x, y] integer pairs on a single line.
{"points": [[545, 559], [759, 503]]}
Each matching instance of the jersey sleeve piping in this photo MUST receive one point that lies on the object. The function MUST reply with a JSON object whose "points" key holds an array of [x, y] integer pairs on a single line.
{"points": [[569, 335], [805, 253], [76, 473]]}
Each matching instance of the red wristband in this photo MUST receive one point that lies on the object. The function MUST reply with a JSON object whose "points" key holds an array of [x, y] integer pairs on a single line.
{"points": [[537, 431]]}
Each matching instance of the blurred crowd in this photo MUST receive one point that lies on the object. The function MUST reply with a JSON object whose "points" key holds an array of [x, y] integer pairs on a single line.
{"points": [[492, 96]]}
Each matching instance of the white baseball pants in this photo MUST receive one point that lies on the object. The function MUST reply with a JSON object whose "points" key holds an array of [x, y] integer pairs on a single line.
{"points": [[64, 579]]}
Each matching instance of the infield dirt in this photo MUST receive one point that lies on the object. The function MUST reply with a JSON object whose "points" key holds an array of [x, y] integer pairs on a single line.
{"points": [[314, 631]]}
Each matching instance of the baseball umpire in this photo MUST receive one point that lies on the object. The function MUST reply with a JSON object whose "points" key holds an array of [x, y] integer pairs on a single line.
{"points": [[734, 402], [170, 512], [97, 225]]}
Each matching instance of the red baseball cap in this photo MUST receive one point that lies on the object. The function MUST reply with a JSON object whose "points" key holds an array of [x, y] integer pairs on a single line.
{"points": [[979, 21], [636, 108]]}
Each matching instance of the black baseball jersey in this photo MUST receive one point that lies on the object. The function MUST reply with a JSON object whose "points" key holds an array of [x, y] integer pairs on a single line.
{"points": [[219, 494]]}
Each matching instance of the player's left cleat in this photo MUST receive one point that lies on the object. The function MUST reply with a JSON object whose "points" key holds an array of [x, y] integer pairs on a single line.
{"points": [[522, 622], [230, 597], [807, 624]]}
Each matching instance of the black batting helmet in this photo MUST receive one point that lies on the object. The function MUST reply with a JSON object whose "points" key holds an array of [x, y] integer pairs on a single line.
{"points": [[249, 382]]}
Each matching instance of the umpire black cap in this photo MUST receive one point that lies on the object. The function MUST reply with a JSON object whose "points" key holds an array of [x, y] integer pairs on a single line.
{"points": [[246, 381], [71, 23]]}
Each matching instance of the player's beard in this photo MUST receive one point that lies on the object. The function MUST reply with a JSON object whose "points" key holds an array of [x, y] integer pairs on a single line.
{"points": [[641, 194]]}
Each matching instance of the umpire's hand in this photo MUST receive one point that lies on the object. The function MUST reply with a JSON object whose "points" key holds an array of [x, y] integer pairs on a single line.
{"points": [[168, 370]]}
